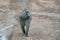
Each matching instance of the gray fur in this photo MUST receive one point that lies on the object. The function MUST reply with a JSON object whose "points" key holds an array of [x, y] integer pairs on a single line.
{"points": [[25, 20]]}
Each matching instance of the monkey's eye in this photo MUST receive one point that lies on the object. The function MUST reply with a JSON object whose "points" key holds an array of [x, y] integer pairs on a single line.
{"points": [[26, 13]]}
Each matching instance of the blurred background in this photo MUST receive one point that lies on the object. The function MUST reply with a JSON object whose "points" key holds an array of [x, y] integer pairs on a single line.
{"points": [[45, 24]]}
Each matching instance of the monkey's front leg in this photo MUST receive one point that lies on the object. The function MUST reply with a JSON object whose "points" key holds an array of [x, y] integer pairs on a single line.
{"points": [[27, 25]]}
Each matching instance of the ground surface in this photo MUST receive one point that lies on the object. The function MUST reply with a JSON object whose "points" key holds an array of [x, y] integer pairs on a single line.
{"points": [[41, 28], [45, 24]]}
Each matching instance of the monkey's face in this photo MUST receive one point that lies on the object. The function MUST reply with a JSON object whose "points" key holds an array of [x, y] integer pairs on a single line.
{"points": [[28, 13]]}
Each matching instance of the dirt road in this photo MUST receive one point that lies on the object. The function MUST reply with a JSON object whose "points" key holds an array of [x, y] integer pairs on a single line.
{"points": [[40, 29]]}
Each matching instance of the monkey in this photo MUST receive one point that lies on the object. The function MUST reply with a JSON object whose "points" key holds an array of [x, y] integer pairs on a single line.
{"points": [[25, 20]]}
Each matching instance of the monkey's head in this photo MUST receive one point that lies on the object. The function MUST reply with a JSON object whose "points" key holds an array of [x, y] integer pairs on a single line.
{"points": [[25, 14]]}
